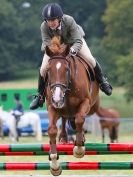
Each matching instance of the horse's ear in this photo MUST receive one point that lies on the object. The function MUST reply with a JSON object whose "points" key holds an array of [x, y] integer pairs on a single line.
{"points": [[66, 51], [48, 51]]}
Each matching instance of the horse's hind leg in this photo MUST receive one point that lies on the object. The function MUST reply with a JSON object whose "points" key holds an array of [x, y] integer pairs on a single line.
{"points": [[114, 134], [117, 131], [111, 135], [79, 149], [53, 156], [103, 137]]}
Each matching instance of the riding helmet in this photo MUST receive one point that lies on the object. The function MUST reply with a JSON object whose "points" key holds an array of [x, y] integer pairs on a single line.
{"points": [[52, 11]]}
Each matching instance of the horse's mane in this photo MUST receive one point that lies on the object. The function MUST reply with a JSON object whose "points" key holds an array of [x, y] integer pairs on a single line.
{"points": [[56, 47]]}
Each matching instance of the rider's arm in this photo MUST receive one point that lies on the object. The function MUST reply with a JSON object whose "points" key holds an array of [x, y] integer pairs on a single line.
{"points": [[76, 33], [45, 36]]}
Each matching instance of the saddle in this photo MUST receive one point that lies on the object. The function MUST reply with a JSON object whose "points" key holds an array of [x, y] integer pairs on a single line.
{"points": [[88, 67]]}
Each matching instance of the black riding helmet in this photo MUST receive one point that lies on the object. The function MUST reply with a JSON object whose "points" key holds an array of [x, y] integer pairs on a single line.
{"points": [[52, 11]]}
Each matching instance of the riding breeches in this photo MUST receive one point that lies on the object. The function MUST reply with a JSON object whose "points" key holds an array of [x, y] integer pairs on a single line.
{"points": [[44, 65], [84, 53]]}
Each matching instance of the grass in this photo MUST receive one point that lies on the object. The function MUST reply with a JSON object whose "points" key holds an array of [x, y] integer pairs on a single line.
{"points": [[117, 100], [19, 84], [64, 158]]}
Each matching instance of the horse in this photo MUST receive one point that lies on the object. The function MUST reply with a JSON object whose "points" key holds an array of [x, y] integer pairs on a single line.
{"points": [[10, 121], [70, 92], [109, 119], [32, 119], [28, 118]]}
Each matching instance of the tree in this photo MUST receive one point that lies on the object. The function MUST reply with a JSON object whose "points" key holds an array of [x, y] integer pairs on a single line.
{"points": [[119, 26], [20, 38], [87, 14], [8, 39], [118, 41], [125, 72]]}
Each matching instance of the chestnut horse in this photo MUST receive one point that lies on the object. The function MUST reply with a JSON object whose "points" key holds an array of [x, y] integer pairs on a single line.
{"points": [[109, 119], [69, 93]]}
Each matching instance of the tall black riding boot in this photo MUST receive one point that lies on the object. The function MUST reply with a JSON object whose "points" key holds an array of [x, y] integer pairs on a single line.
{"points": [[40, 97], [103, 83]]}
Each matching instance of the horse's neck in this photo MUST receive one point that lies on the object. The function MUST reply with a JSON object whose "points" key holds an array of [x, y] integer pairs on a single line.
{"points": [[102, 112], [74, 64]]}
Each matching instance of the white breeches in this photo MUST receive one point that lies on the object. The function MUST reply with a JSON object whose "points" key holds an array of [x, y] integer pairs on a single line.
{"points": [[84, 53], [44, 65]]}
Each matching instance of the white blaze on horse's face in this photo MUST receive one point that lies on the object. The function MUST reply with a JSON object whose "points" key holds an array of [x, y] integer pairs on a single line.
{"points": [[58, 98], [58, 95], [58, 66]]}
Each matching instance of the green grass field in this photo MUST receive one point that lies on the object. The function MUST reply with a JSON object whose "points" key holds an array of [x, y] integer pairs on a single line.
{"points": [[64, 158]]}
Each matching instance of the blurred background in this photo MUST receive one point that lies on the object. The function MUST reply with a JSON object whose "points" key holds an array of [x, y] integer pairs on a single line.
{"points": [[108, 25]]}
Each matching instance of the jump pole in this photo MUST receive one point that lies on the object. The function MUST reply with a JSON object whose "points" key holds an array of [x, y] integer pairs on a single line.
{"points": [[69, 166], [40, 153], [66, 147]]}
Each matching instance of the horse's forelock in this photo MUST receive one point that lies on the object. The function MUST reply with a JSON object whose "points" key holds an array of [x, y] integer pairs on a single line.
{"points": [[56, 47]]}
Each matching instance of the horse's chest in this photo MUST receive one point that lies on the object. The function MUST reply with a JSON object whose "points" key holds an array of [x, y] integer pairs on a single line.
{"points": [[72, 102]]}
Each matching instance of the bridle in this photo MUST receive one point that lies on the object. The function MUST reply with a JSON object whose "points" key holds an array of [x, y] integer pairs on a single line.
{"points": [[66, 86]]}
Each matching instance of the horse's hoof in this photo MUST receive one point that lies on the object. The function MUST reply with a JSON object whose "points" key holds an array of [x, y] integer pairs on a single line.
{"points": [[56, 172], [79, 152]]}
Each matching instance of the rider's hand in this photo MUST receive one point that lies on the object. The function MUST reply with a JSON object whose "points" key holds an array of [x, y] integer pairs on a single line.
{"points": [[72, 52]]}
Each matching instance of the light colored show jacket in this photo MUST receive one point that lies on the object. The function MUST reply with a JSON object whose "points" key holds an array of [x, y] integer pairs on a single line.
{"points": [[71, 33]]}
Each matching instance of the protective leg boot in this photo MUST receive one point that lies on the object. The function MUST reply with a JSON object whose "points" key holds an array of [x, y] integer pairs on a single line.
{"points": [[103, 83], [40, 97]]}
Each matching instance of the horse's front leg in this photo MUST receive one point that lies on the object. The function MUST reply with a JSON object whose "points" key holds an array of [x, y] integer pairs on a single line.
{"points": [[63, 133], [53, 155], [79, 149]]}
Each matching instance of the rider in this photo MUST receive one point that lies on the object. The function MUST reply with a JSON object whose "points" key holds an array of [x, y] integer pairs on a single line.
{"points": [[18, 110], [57, 23]]}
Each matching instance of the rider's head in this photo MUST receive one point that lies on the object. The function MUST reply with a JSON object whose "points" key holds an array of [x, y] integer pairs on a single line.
{"points": [[16, 97], [52, 14]]}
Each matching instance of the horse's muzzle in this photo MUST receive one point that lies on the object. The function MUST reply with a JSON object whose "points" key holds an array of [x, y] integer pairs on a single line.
{"points": [[58, 104]]}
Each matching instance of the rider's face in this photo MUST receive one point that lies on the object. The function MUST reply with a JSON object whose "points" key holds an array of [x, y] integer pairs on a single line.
{"points": [[53, 24]]}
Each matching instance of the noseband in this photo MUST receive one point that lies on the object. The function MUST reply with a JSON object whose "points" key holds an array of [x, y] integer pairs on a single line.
{"points": [[64, 86]]}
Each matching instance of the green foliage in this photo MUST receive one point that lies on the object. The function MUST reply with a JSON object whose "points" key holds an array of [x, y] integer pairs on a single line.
{"points": [[8, 38], [119, 26], [118, 41], [125, 72], [87, 14]]}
